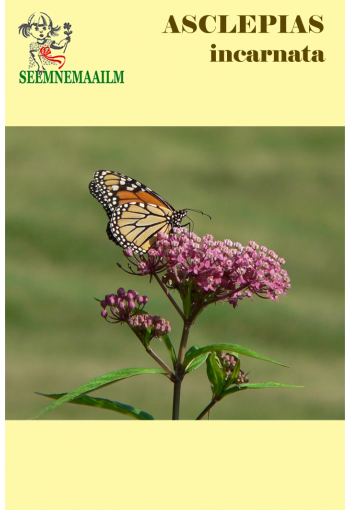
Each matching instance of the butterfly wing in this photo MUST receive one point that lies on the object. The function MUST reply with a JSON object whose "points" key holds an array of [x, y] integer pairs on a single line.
{"points": [[137, 214], [112, 189], [136, 225]]}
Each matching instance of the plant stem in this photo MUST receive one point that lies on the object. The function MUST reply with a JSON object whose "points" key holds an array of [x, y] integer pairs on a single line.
{"points": [[176, 399], [179, 374], [183, 344], [207, 409], [226, 295], [170, 297], [161, 363], [156, 357]]}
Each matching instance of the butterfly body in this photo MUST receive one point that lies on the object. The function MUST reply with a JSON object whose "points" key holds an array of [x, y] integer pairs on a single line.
{"points": [[136, 213]]}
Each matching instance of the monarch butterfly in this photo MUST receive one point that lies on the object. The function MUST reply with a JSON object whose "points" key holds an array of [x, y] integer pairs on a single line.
{"points": [[136, 213]]}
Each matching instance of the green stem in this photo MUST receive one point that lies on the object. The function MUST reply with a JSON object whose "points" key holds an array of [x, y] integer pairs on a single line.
{"points": [[207, 409], [155, 356], [176, 399], [183, 344], [226, 295], [170, 297], [161, 363], [179, 370]]}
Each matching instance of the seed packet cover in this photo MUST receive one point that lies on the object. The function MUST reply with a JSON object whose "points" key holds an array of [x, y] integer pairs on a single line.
{"points": [[233, 110]]}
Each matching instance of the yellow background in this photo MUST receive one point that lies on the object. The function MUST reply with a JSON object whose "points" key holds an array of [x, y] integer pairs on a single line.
{"points": [[168, 77], [209, 465], [170, 81]]}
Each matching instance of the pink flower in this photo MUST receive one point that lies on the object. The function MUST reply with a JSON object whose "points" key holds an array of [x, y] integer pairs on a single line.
{"points": [[216, 270]]}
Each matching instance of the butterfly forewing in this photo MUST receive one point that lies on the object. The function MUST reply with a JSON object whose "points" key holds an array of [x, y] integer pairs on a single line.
{"points": [[137, 214]]}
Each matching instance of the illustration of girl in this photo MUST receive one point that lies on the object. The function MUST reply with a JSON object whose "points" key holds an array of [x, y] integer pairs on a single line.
{"points": [[40, 27]]}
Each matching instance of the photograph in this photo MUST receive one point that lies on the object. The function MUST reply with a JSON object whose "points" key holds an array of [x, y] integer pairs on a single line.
{"points": [[164, 273]]}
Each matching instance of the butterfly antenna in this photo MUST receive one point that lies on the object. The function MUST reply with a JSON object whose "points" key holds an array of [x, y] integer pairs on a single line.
{"points": [[198, 211]]}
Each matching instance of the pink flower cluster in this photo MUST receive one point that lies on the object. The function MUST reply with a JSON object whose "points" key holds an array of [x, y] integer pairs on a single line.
{"points": [[122, 305], [127, 307], [220, 270], [158, 325]]}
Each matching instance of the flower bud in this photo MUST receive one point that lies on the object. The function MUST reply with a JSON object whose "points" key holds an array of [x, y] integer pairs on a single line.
{"points": [[111, 300]]}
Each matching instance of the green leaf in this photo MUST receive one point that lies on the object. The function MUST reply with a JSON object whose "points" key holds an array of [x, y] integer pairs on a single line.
{"points": [[104, 403], [258, 386], [145, 337], [227, 347], [170, 348], [196, 362], [99, 382], [215, 374]]}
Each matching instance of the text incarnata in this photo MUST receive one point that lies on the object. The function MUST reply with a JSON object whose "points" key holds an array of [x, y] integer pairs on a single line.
{"points": [[251, 24]]}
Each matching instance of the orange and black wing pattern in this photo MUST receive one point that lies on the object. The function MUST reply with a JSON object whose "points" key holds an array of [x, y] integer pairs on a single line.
{"points": [[136, 213]]}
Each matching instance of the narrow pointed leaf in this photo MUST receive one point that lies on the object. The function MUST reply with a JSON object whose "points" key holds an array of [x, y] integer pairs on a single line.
{"points": [[170, 347], [146, 337], [99, 382], [103, 403], [228, 347], [196, 362], [258, 386]]}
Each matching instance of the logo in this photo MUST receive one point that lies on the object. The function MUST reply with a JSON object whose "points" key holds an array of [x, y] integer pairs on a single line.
{"points": [[44, 65], [43, 34]]}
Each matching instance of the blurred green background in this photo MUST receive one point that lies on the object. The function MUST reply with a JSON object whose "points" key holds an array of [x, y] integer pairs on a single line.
{"points": [[281, 187]]}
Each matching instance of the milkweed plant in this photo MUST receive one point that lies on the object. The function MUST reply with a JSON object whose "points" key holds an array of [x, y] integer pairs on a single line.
{"points": [[200, 272]]}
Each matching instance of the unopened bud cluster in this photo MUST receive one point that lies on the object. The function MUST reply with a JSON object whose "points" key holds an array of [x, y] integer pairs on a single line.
{"points": [[122, 305], [127, 307], [158, 325], [229, 362]]}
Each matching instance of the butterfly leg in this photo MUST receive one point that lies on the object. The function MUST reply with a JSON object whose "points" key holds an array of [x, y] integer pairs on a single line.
{"points": [[190, 225]]}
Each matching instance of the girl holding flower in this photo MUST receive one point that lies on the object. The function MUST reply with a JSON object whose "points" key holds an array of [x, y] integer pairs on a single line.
{"points": [[41, 28]]}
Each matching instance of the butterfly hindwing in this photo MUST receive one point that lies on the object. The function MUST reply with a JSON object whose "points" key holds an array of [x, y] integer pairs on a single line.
{"points": [[136, 225]]}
